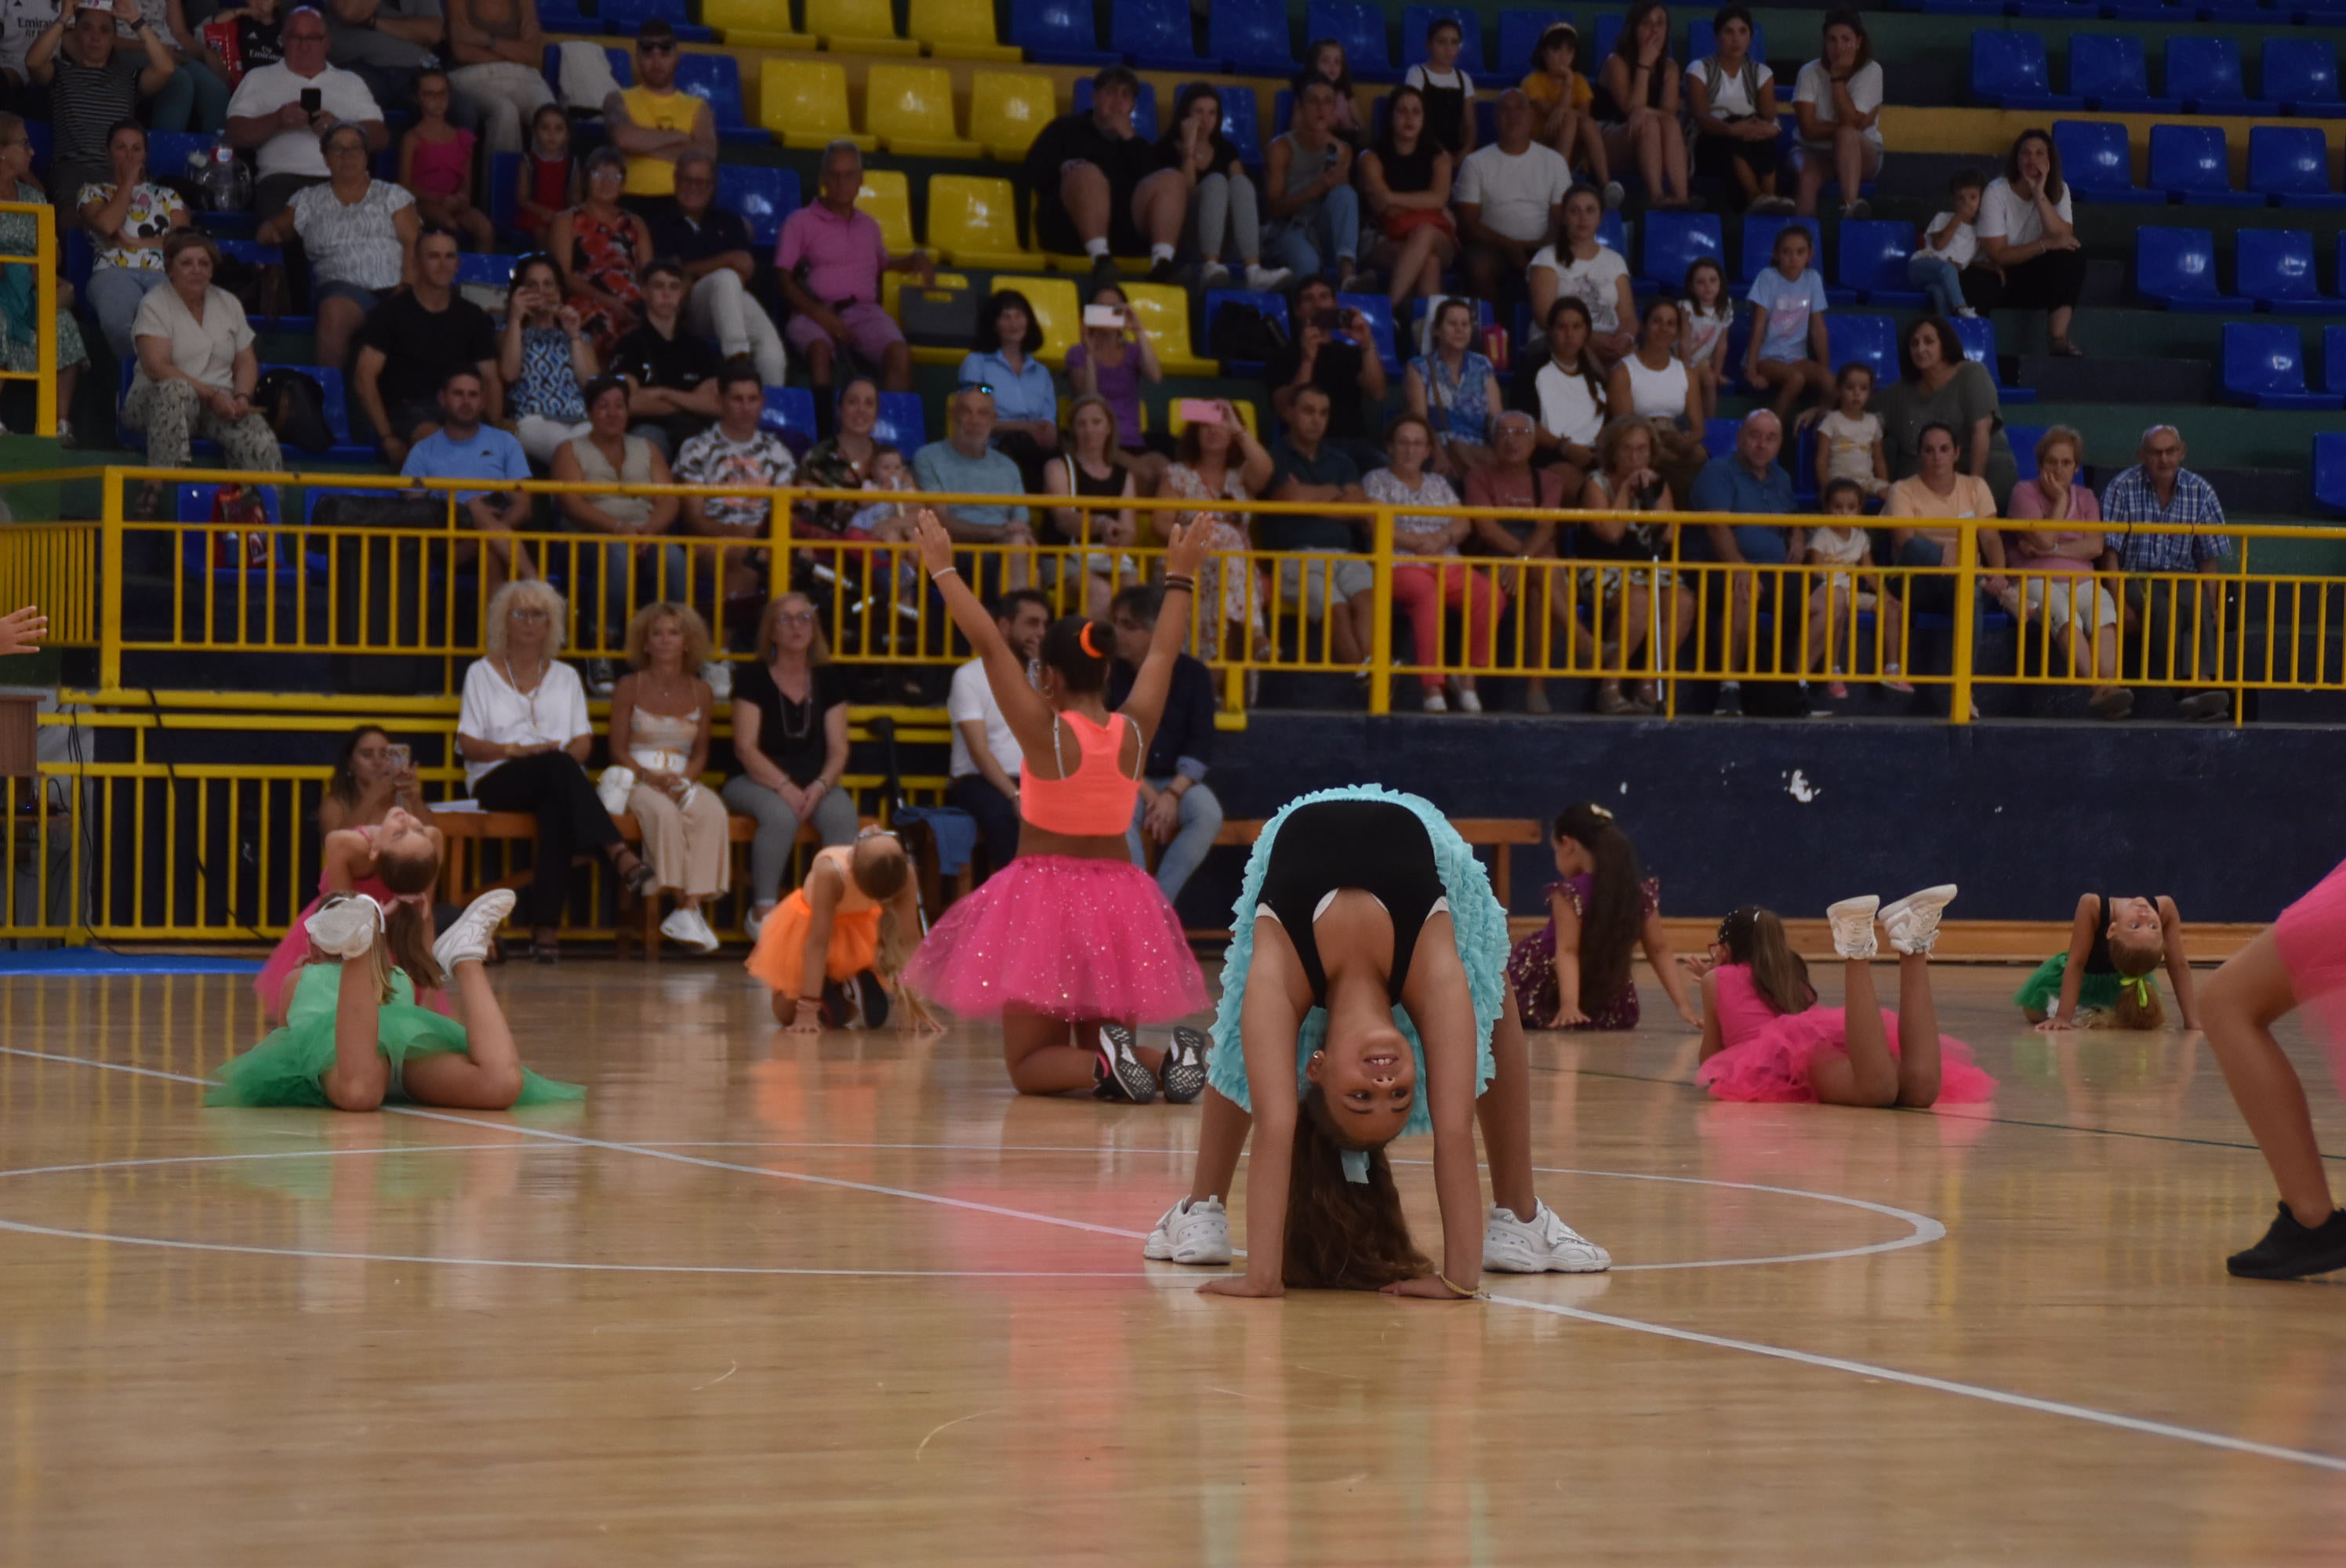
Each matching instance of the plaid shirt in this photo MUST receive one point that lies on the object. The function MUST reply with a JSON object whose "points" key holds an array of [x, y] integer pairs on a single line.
{"points": [[2130, 499]]}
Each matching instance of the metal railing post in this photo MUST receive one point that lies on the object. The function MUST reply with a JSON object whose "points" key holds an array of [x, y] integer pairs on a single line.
{"points": [[1380, 635], [1959, 701], [109, 582]]}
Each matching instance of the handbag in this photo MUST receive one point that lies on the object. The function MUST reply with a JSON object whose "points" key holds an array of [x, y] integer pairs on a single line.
{"points": [[294, 404], [618, 782], [939, 315]]}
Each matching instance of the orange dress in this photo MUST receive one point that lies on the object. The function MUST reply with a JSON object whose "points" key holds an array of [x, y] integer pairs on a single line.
{"points": [[854, 945]]}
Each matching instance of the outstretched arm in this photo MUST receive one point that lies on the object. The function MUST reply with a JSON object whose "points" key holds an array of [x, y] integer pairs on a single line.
{"points": [[2178, 966], [1267, 1030], [1183, 557], [1024, 710], [2081, 942], [347, 857]]}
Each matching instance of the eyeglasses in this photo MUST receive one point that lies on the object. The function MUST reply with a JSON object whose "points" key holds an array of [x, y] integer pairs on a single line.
{"points": [[985, 387], [527, 613], [794, 617]]}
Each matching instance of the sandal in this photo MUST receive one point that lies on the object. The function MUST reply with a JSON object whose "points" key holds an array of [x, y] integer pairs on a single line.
{"points": [[640, 879]]}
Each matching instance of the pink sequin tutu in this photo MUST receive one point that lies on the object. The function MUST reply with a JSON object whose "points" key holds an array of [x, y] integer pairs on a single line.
{"points": [[2311, 937], [1773, 1065], [1064, 937]]}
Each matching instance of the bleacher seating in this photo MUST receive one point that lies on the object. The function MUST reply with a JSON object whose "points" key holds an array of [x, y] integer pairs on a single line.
{"points": [[749, 25], [956, 29], [806, 106], [909, 111], [1416, 19], [2290, 164], [1361, 29], [761, 195], [1977, 335], [2175, 267], [1154, 35], [1675, 241], [1008, 110], [2109, 72], [856, 26], [2098, 163], [2205, 74], [1144, 109], [2274, 267], [628, 17], [887, 196], [2191, 164], [2330, 470], [902, 423], [1164, 310], [2264, 366], [718, 80], [1057, 33], [1873, 260], [1249, 37], [1238, 124], [789, 410], [2010, 71], [973, 222], [1272, 306], [1870, 341], [2302, 74], [1519, 33]]}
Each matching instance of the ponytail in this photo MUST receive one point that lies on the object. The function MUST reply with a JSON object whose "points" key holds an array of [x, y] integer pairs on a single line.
{"points": [[1078, 650], [407, 921], [1617, 905], [2138, 1006], [1342, 1235], [1755, 937]]}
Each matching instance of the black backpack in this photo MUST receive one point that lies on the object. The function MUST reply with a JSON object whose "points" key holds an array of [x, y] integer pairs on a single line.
{"points": [[294, 404], [1242, 331]]}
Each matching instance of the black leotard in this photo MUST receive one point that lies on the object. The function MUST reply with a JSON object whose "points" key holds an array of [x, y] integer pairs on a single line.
{"points": [[1381, 849], [2098, 959]]}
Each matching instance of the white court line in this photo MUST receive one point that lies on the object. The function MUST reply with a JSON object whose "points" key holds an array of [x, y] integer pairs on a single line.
{"points": [[1687, 1336]]}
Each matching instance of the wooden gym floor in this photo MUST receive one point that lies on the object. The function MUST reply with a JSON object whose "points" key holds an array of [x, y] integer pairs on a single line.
{"points": [[849, 1300]]}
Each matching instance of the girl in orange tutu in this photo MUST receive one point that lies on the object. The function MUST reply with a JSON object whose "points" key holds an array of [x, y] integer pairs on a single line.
{"points": [[834, 948]]}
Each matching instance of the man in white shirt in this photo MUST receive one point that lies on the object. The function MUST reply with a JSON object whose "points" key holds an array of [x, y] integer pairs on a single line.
{"points": [[986, 755], [1510, 199], [268, 112]]}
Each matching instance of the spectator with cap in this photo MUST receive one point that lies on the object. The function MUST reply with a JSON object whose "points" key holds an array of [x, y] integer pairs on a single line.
{"points": [[93, 85], [360, 234], [828, 259], [2159, 490], [266, 113], [495, 48], [1747, 480], [415, 341], [713, 246], [653, 123], [462, 446], [1175, 808], [671, 375], [1086, 169]]}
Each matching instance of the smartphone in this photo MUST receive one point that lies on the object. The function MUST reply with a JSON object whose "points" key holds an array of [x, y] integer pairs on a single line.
{"points": [[1108, 316], [312, 101], [1198, 411], [1329, 321], [399, 757]]}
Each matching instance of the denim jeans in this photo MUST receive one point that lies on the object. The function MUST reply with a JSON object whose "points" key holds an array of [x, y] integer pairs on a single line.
{"points": [[1200, 819], [1315, 240], [1938, 278]]}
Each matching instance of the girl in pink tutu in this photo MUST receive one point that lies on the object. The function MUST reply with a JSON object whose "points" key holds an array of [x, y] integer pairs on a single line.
{"points": [[2298, 961], [1072, 945], [1765, 1038]]}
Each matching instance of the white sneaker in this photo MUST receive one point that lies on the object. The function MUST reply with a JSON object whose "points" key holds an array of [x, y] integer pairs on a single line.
{"points": [[1437, 703], [754, 923], [1265, 280], [687, 927], [1614, 196], [720, 677], [1195, 1233], [469, 937], [1852, 926], [346, 926], [1470, 702], [1913, 922], [1967, 313], [1213, 275], [1540, 1245]]}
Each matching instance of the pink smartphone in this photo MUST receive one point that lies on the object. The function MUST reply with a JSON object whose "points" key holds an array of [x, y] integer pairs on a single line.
{"points": [[1198, 411], [1108, 316]]}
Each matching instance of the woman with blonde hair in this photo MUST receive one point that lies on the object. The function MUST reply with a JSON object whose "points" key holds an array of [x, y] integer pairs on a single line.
{"points": [[523, 734], [790, 745], [659, 737], [1086, 465]]}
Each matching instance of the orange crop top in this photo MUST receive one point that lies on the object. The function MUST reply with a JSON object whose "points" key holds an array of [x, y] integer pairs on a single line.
{"points": [[1097, 798]]}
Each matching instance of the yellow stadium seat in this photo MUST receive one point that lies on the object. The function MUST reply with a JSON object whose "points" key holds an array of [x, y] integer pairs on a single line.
{"points": [[754, 24], [1056, 311], [957, 30], [887, 196], [1008, 110], [1176, 424], [857, 26], [972, 223], [1164, 310], [910, 111], [804, 102]]}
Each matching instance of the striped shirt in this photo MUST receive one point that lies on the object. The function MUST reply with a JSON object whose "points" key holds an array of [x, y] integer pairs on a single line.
{"points": [[2132, 499], [86, 101], [354, 243]]}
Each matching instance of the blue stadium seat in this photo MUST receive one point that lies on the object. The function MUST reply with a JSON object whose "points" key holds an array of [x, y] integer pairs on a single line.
{"points": [[1977, 335], [1614, 235], [1361, 29], [1519, 30], [1058, 33], [1874, 253], [1675, 241], [2274, 267], [2177, 268], [1702, 41], [1594, 47], [1416, 19], [1240, 123], [2190, 164], [1143, 111], [628, 17], [2291, 164], [1249, 37], [902, 422], [2106, 70], [1719, 435], [2022, 439], [1869, 339], [2330, 470], [1272, 306], [1379, 310], [788, 408], [505, 172], [1154, 35], [2264, 366], [718, 80], [2098, 163], [2302, 74], [2333, 360], [763, 196], [2205, 74], [491, 270], [2009, 70]]}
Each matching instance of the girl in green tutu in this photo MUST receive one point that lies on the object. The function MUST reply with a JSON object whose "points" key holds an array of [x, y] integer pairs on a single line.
{"points": [[2104, 979], [354, 1038]]}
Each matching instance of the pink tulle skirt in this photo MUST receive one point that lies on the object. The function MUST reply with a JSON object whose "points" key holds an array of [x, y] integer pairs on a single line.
{"points": [[1064, 937], [2311, 937], [1773, 1064], [292, 952]]}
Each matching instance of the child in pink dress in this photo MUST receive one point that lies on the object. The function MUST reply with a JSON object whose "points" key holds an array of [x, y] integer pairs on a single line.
{"points": [[1764, 1038], [435, 165]]}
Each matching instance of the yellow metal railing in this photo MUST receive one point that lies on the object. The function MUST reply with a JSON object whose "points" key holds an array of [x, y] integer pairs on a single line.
{"points": [[44, 263]]}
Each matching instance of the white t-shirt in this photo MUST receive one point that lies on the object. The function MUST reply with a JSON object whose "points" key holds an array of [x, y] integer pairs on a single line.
{"points": [[2005, 215], [1450, 81], [1519, 194], [1566, 407], [1960, 250], [1732, 100], [1593, 282], [1815, 86], [341, 93], [204, 351], [493, 711], [972, 698]]}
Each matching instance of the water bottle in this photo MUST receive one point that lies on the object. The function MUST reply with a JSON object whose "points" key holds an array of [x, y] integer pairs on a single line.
{"points": [[227, 184]]}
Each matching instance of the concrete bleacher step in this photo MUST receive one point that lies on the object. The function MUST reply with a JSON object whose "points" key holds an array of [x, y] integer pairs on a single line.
{"points": [[2106, 282], [2060, 378]]}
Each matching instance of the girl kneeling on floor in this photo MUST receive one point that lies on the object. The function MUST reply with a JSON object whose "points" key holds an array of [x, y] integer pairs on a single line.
{"points": [[845, 934]]}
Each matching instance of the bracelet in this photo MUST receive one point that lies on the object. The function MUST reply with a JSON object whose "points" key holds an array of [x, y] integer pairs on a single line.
{"points": [[1187, 584], [944, 572], [1462, 1292]]}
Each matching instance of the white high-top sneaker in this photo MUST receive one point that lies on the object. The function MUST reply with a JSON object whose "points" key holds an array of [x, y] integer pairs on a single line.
{"points": [[1196, 1233], [1852, 926], [1913, 922], [475, 929], [345, 926]]}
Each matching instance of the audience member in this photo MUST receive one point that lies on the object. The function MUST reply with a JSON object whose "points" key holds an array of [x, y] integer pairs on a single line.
{"points": [[1849, 439], [1455, 391], [358, 233], [986, 758], [1508, 480], [1448, 90], [599, 246], [1085, 170], [461, 446], [259, 33], [1749, 480], [1308, 183], [967, 464], [1731, 103], [1406, 177], [1510, 199], [1420, 591], [1325, 59], [1088, 466], [435, 165], [546, 184], [660, 714], [523, 734], [1709, 313], [270, 111], [1175, 810], [1306, 467], [844, 459], [1838, 101], [414, 339], [737, 453], [2055, 567], [2159, 490], [713, 246], [1635, 102], [671, 375], [640, 562], [790, 747], [653, 123], [2024, 228], [1620, 599], [129, 216], [20, 22], [1937, 492], [1567, 387], [497, 47], [93, 85], [543, 358], [1559, 97], [1025, 399], [1937, 385], [197, 368], [1653, 384], [1220, 219], [827, 260], [1334, 350], [1219, 460], [1111, 363], [385, 44], [1580, 264], [196, 97], [1949, 246], [1790, 349]]}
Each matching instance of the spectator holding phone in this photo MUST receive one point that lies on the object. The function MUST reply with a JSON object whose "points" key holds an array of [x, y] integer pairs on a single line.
{"points": [[284, 110], [1334, 350], [1111, 362], [1219, 461]]}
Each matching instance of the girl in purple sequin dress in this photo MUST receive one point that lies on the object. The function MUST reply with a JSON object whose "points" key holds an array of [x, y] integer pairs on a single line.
{"points": [[1575, 973]]}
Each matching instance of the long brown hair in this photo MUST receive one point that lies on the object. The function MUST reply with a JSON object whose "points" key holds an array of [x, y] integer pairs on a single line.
{"points": [[1342, 1235], [2139, 1006], [1617, 909], [1755, 937], [407, 924]]}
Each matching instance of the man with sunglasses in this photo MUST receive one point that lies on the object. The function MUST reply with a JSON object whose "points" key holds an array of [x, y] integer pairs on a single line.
{"points": [[654, 124]]}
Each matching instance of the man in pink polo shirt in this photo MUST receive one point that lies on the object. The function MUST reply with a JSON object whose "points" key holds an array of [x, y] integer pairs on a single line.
{"points": [[829, 258]]}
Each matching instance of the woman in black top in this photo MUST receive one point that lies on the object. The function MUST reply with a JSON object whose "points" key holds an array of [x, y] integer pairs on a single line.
{"points": [[1224, 223], [1405, 178], [1087, 466], [1636, 102], [790, 744]]}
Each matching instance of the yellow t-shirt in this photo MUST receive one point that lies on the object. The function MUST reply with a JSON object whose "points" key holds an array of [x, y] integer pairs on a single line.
{"points": [[1543, 88], [671, 111]]}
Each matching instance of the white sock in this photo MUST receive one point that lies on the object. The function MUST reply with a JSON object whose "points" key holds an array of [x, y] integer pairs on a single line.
{"points": [[1161, 253], [1095, 248]]}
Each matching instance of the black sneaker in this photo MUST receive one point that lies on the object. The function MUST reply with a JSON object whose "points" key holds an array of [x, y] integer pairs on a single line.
{"points": [[2290, 1252], [1184, 1067], [1104, 271], [1119, 1074], [838, 1009], [1161, 271]]}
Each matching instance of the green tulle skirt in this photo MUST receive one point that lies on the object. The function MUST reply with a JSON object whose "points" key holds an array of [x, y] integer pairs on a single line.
{"points": [[286, 1068], [2041, 992]]}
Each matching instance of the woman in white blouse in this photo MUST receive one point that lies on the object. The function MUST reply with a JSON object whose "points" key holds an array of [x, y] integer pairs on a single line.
{"points": [[523, 734], [197, 368], [1837, 99], [358, 233], [1420, 588], [2024, 228]]}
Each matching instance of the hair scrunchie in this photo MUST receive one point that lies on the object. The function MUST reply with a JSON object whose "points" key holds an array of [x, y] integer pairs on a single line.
{"points": [[1084, 640]]}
